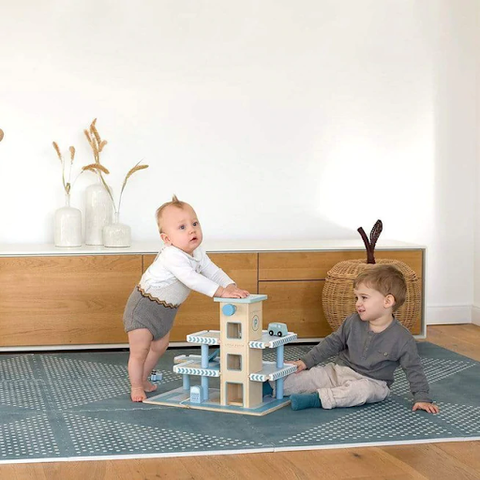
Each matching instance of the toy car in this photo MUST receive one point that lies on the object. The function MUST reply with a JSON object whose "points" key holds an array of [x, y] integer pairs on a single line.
{"points": [[278, 329], [155, 376]]}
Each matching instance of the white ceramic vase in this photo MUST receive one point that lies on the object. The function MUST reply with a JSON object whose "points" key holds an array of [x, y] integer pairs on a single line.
{"points": [[117, 234], [98, 213], [68, 226]]}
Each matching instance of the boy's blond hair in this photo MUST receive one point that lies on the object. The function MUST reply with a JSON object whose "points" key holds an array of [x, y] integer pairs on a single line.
{"points": [[386, 279], [174, 202]]}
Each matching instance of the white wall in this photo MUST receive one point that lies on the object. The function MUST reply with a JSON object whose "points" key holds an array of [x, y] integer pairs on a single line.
{"points": [[275, 119], [476, 297], [451, 245]]}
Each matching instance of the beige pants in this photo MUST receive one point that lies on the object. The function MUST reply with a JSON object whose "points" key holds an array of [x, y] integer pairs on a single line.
{"points": [[337, 386]]}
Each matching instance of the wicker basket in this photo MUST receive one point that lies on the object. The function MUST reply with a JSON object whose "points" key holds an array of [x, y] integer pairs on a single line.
{"points": [[339, 302]]}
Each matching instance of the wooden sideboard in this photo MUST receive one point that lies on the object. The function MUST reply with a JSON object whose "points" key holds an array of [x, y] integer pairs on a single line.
{"points": [[64, 299]]}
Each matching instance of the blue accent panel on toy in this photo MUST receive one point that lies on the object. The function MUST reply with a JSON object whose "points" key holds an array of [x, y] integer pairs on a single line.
{"points": [[213, 355], [229, 309], [249, 299]]}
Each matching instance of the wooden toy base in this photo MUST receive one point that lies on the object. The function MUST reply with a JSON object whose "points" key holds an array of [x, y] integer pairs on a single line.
{"points": [[180, 398]]}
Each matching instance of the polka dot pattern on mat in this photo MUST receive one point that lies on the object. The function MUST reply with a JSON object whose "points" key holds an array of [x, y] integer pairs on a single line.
{"points": [[30, 437], [93, 436], [23, 394], [15, 368], [435, 370], [384, 422]]}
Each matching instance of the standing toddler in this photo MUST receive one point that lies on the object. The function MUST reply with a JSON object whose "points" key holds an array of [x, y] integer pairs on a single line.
{"points": [[180, 267]]}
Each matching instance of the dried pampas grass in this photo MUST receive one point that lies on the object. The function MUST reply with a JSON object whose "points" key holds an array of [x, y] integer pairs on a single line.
{"points": [[97, 145], [95, 141], [95, 167], [57, 149], [136, 168], [67, 185]]}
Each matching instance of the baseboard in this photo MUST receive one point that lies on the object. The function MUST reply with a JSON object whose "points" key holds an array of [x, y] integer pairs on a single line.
{"points": [[446, 315], [476, 315]]}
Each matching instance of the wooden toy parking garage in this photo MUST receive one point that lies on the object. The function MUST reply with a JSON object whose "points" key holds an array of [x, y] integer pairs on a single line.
{"points": [[238, 364]]}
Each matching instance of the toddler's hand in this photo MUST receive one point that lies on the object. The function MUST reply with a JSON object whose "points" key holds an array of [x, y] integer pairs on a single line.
{"points": [[428, 407], [232, 291], [300, 365]]}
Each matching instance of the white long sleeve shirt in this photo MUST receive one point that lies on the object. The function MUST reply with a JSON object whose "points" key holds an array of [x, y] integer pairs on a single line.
{"points": [[174, 274]]}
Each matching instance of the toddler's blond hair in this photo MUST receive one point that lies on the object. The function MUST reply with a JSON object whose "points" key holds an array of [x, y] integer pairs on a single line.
{"points": [[174, 202]]}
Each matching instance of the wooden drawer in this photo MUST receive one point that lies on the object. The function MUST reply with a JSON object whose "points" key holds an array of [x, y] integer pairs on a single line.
{"points": [[298, 304], [315, 265], [67, 300], [200, 312]]}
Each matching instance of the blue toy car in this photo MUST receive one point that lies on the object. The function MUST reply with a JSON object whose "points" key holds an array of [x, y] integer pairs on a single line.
{"points": [[278, 329], [155, 376]]}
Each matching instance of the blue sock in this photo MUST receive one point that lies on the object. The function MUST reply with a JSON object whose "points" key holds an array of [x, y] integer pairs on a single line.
{"points": [[302, 401], [267, 389]]}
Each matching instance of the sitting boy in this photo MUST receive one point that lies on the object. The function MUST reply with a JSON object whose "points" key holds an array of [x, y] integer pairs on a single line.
{"points": [[370, 345]]}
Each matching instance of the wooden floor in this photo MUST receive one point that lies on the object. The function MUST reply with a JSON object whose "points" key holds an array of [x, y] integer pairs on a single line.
{"points": [[449, 461]]}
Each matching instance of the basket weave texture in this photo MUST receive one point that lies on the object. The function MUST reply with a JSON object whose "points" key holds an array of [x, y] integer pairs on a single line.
{"points": [[338, 300]]}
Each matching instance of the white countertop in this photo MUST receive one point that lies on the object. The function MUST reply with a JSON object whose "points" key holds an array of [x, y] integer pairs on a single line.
{"points": [[220, 246]]}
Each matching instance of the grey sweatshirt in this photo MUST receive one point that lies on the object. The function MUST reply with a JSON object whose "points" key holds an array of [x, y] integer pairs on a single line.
{"points": [[375, 355]]}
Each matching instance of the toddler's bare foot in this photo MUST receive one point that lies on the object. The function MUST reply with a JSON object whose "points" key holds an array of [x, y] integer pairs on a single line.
{"points": [[137, 394], [149, 387]]}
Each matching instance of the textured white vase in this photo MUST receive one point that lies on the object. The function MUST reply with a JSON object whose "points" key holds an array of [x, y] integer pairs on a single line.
{"points": [[98, 213], [67, 226], [117, 234]]}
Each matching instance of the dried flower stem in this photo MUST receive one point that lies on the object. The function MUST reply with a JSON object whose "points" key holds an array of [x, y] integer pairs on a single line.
{"points": [[66, 183], [136, 168]]}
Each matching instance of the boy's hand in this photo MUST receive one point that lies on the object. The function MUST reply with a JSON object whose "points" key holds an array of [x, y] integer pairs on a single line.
{"points": [[300, 365], [428, 407], [231, 291]]}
